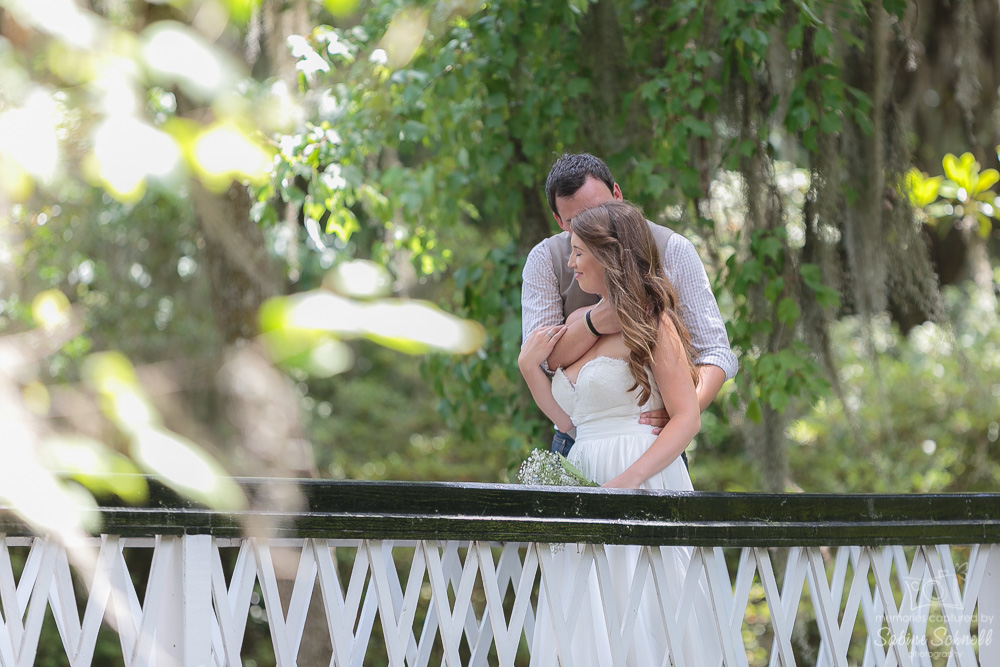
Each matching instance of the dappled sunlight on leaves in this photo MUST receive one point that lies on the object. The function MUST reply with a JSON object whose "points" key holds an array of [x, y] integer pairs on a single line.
{"points": [[28, 483], [186, 468], [28, 136], [181, 464], [359, 278], [241, 10], [315, 310], [297, 328], [416, 328], [62, 19], [127, 151], [91, 125], [50, 309], [404, 36], [341, 7], [329, 358], [225, 152], [176, 54], [100, 469], [49, 506]]}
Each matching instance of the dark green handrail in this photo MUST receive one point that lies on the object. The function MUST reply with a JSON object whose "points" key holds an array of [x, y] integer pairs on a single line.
{"points": [[512, 513]]}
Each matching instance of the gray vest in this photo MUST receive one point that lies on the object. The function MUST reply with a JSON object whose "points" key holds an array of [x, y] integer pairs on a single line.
{"points": [[572, 296]]}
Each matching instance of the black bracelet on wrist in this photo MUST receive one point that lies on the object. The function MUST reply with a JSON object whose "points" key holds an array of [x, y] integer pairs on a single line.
{"points": [[590, 325]]}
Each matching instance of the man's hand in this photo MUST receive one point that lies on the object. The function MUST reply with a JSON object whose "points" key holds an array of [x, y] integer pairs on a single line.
{"points": [[658, 418], [710, 380]]}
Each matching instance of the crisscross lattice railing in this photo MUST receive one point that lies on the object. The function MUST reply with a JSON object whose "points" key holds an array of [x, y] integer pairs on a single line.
{"points": [[428, 573]]}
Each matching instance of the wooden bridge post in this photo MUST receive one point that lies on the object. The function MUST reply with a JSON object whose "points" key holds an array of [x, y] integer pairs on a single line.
{"points": [[989, 610], [183, 633]]}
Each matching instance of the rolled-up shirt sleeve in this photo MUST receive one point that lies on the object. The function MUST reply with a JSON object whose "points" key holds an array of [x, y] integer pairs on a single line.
{"points": [[541, 304], [697, 307]]}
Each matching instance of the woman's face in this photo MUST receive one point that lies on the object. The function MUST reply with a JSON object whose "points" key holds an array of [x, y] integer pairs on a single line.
{"points": [[587, 271]]}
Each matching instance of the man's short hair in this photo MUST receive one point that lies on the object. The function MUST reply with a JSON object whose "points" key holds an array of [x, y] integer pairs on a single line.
{"points": [[570, 172]]}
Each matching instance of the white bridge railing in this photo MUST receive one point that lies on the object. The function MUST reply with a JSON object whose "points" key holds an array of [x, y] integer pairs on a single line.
{"points": [[448, 574]]}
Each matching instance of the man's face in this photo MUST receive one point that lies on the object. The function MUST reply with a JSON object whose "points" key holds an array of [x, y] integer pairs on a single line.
{"points": [[593, 193]]}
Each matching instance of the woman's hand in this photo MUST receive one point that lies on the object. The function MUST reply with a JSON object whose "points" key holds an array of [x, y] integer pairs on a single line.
{"points": [[536, 349], [538, 345], [623, 481]]}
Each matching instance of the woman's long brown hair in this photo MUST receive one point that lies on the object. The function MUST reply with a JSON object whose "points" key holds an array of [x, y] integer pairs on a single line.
{"points": [[618, 235]]}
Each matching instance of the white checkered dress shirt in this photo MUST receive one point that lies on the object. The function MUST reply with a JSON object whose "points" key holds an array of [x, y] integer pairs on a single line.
{"points": [[541, 304]]}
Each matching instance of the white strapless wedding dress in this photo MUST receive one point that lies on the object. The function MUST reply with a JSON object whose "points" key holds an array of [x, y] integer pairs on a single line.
{"points": [[609, 438]]}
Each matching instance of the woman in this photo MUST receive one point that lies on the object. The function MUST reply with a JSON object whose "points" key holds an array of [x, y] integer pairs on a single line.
{"points": [[647, 366]]}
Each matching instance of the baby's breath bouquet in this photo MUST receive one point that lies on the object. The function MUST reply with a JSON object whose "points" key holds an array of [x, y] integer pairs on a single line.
{"points": [[547, 468]]}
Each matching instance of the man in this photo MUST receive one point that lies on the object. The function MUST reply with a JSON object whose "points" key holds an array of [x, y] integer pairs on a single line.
{"points": [[549, 294]]}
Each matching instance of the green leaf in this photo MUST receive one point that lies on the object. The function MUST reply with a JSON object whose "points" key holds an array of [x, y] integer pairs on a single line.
{"points": [[797, 117], [778, 400], [862, 120], [985, 225], [827, 297], [575, 472], [770, 247], [788, 311], [752, 270], [964, 171], [412, 131], [294, 195], [822, 41], [576, 87], [808, 11], [809, 139], [830, 123], [497, 100], [695, 97], [793, 40], [774, 289], [987, 180], [921, 190], [754, 413], [699, 128], [895, 7], [812, 275]]}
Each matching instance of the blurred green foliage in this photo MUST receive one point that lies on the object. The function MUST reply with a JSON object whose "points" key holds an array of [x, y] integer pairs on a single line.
{"points": [[928, 404]]}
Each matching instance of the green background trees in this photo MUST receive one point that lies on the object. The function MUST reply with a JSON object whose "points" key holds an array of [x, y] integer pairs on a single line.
{"points": [[170, 167]]}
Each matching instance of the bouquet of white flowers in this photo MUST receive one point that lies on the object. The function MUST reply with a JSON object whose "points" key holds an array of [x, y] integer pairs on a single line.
{"points": [[551, 469]]}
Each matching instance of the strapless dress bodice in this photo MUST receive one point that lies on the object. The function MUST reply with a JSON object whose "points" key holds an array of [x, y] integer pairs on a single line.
{"points": [[602, 402]]}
